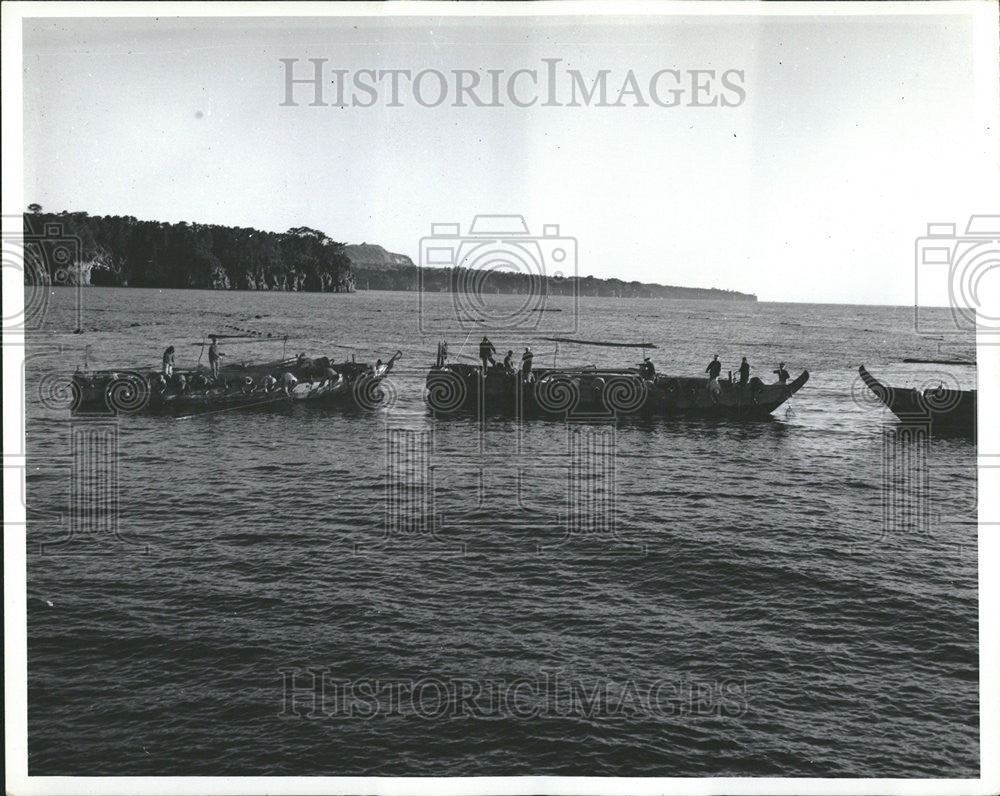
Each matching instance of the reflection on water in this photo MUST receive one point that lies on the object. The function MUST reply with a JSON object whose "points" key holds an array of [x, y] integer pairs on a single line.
{"points": [[391, 544]]}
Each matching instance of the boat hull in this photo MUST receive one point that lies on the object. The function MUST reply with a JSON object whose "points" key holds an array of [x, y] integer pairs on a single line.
{"points": [[599, 394], [943, 411], [114, 393]]}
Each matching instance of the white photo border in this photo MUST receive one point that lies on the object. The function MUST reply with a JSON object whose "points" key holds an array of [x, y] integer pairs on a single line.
{"points": [[983, 15]]}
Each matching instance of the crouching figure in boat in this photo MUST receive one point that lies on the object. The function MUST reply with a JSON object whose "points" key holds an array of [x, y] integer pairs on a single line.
{"points": [[589, 391]]}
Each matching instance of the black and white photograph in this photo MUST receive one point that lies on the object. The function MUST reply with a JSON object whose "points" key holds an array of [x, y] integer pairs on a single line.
{"points": [[487, 398]]}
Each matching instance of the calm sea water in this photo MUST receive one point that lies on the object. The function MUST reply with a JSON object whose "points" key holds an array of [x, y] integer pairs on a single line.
{"points": [[688, 598]]}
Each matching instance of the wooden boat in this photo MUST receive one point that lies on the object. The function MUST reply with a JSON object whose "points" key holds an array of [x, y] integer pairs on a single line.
{"points": [[943, 410], [599, 393], [249, 386]]}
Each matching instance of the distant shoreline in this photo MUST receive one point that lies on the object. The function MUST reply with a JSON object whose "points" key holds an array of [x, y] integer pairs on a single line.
{"points": [[78, 249], [745, 297], [908, 307]]}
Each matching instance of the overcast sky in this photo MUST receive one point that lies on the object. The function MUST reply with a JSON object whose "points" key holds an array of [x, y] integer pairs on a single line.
{"points": [[846, 136]]}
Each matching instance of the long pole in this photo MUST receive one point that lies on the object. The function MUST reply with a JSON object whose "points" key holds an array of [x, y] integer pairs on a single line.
{"points": [[463, 344]]}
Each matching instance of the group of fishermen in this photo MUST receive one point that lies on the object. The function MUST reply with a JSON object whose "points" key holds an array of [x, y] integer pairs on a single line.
{"points": [[305, 369], [487, 355], [647, 370], [169, 376], [487, 351], [214, 359], [715, 368]]}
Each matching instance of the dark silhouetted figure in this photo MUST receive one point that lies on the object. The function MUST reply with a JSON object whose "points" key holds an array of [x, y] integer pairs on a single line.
{"points": [[714, 368], [168, 362], [646, 369], [526, 358], [782, 373], [744, 371], [486, 352], [508, 363], [214, 357]]}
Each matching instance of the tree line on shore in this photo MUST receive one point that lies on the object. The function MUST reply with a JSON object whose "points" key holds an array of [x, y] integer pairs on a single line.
{"points": [[77, 248], [122, 251], [450, 280]]}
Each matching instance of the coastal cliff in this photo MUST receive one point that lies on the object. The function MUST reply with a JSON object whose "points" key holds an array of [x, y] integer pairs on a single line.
{"points": [[122, 251], [77, 248]]}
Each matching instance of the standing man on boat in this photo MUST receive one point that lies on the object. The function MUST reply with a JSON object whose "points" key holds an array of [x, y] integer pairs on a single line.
{"points": [[214, 357], [168, 362], [714, 368], [646, 369], [508, 363], [782, 373], [526, 358], [744, 371], [486, 352]]}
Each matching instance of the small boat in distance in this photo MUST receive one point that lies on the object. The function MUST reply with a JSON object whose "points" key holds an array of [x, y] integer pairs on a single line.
{"points": [[590, 392], [943, 410]]}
